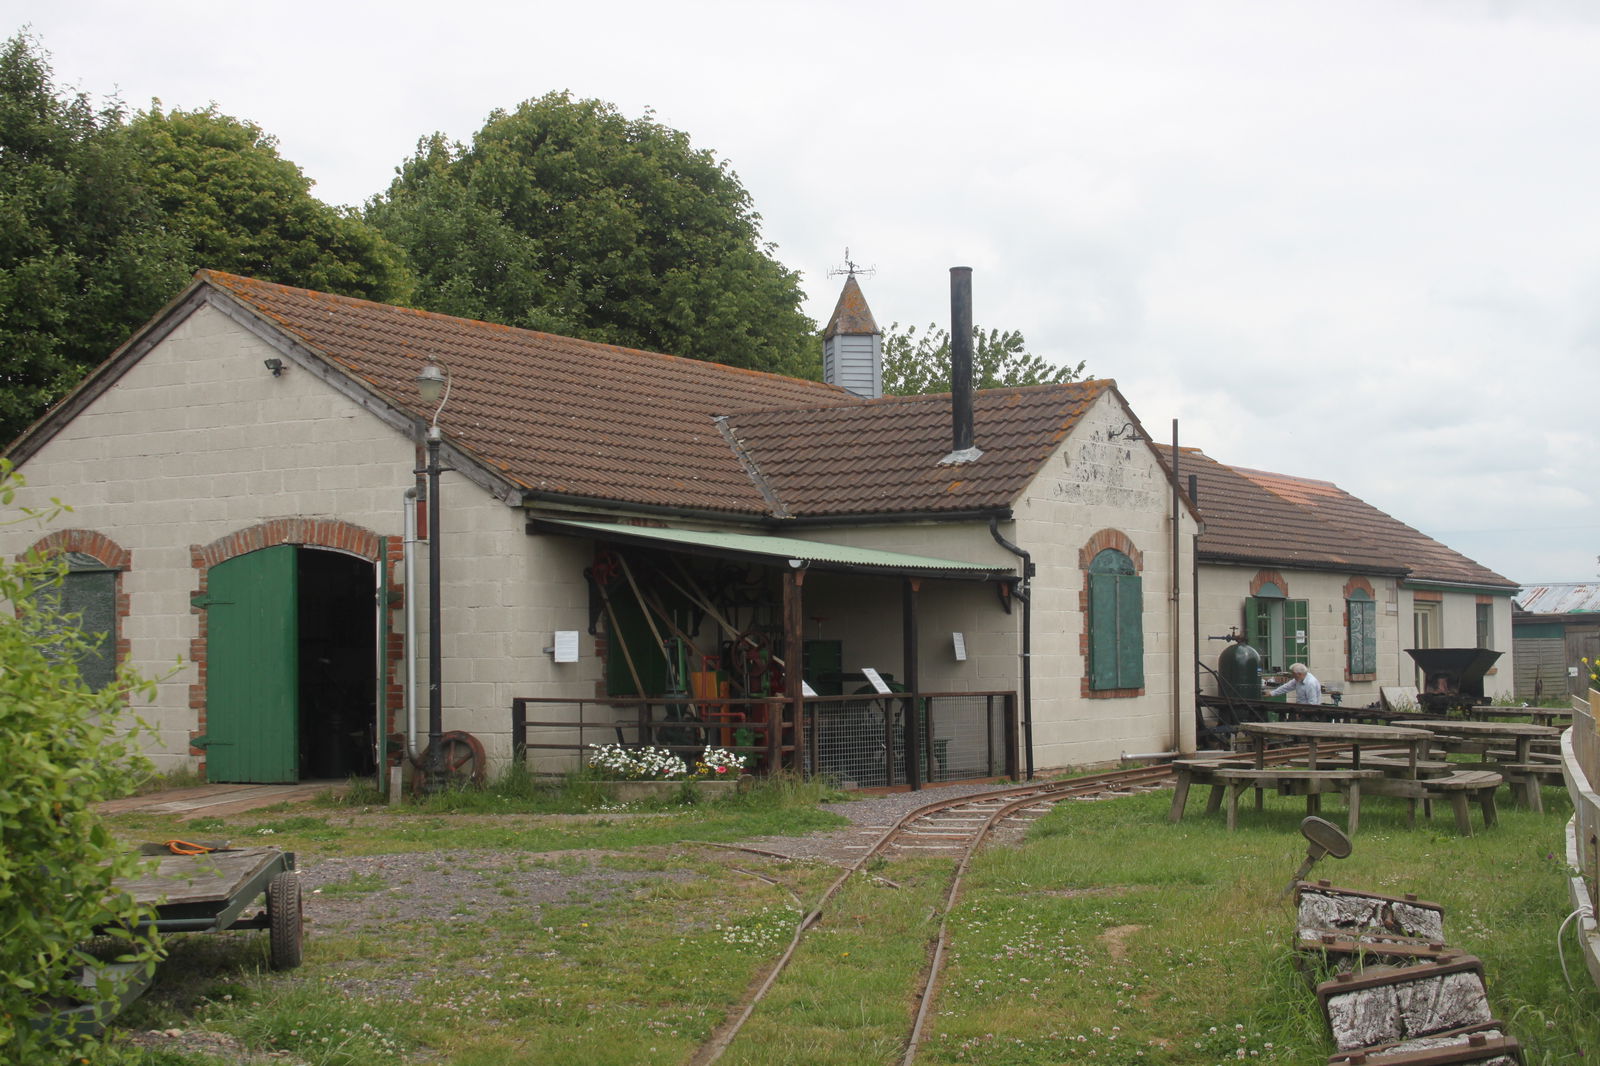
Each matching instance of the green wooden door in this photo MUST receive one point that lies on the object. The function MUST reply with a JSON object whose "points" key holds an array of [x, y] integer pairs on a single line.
{"points": [[253, 668]]}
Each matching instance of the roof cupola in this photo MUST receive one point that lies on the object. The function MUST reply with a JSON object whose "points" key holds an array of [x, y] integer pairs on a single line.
{"points": [[852, 345]]}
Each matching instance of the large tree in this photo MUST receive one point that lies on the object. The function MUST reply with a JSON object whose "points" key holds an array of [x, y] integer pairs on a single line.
{"points": [[914, 365], [104, 217], [566, 216], [238, 206], [78, 243]]}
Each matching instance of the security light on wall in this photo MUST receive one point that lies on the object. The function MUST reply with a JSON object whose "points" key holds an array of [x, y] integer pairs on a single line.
{"points": [[274, 365]]}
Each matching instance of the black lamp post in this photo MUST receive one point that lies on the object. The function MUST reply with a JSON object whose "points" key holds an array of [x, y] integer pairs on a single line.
{"points": [[434, 385]]}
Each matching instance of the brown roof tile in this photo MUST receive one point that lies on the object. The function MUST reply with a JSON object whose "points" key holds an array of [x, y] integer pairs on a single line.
{"points": [[553, 414], [1257, 516], [881, 456]]}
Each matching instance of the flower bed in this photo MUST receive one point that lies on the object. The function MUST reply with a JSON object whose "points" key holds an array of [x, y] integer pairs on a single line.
{"points": [[651, 773]]}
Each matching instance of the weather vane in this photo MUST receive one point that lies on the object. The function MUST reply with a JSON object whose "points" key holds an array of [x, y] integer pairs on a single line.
{"points": [[851, 268]]}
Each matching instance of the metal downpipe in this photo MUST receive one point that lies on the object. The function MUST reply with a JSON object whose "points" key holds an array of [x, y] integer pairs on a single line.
{"points": [[1023, 593]]}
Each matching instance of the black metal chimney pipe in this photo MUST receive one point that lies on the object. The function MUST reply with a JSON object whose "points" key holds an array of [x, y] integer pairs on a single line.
{"points": [[961, 358]]}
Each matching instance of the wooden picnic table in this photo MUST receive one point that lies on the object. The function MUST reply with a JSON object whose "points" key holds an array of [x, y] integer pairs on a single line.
{"points": [[1311, 778], [1482, 738], [1354, 734]]}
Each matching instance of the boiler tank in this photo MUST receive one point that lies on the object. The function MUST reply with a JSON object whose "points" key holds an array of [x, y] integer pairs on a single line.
{"points": [[1239, 671]]}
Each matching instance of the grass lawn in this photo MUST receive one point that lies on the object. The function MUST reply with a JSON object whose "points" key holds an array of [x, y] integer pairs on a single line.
{"points": [[1111, 936]]}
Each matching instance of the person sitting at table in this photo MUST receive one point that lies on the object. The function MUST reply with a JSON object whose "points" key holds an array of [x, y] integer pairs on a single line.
{"points": [[1304, 684]]}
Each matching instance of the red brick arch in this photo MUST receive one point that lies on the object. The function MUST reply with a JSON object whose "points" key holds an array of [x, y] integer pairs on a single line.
{"points": [[330, 533], [1099, 542], [1262, 578]]}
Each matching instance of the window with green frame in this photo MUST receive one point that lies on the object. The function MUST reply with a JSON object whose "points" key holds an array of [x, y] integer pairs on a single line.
{"points": [[1486, 625], [1361, 636], [1277, 628], [1116, 622]]}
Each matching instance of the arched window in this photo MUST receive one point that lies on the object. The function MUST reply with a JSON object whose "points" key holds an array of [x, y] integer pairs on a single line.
{"points": [[88, 594], [1116, 622], [1276, 626]]}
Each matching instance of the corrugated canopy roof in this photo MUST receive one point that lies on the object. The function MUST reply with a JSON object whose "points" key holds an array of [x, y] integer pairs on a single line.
{"points": [[1562, 597], [817, 555]]}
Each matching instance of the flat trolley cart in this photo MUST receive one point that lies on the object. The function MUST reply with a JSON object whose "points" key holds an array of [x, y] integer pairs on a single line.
{"points": [[205, 888], [210, 892]]}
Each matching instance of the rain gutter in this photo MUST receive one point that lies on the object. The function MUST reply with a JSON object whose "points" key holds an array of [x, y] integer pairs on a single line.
{"points": [[1022, 593]]}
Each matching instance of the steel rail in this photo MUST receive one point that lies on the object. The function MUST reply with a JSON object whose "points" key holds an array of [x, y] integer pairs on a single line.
{"points": [[1014, 799]]}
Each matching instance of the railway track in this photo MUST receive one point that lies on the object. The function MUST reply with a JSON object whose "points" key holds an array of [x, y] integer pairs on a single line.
{"points": [[955, 827]]}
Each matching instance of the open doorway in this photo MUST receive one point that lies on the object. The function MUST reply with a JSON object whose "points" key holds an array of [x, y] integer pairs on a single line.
{"points": [[338, 657]]}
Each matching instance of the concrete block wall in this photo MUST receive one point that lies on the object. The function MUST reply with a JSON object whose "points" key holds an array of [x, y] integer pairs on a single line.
{"points": [[199, 441], [1094, 484]]}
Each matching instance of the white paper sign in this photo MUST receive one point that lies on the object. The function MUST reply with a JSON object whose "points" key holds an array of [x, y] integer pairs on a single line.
{"points": [[806, 689], [875, 681], [566, 646], [960, 641]]}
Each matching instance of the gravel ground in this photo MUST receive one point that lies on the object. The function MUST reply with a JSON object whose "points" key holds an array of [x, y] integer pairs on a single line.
{"points": [[370, 893]]}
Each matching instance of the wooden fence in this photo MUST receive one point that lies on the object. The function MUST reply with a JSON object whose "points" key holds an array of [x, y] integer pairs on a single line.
{"points": [[1580, 763]]}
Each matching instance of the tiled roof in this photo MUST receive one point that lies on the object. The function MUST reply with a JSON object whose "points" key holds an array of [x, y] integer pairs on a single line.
{"points": [[572, 418], [552, 414], [1256, 516], [884, 455], [851, 315]]}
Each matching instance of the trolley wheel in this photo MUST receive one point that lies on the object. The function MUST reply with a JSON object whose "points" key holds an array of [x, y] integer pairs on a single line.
{"points": [[285, 921], [461, 761]]}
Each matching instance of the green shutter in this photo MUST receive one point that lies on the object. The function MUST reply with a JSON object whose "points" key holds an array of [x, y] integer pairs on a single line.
{"points": [[1116, 623], [253, 668], [1362, 636], [1258, 627], [1130, 632], [1103, 630]]}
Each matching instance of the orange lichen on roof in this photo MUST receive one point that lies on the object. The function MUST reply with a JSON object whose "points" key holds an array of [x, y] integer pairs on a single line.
{"points": [[577, 418]]}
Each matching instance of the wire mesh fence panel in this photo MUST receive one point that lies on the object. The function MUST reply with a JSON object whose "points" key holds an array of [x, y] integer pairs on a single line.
{"points": [[861, 743], [849, 741]]}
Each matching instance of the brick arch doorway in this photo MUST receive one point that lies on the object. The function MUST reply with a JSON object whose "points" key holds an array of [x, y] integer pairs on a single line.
{"points": [[290, 664]]}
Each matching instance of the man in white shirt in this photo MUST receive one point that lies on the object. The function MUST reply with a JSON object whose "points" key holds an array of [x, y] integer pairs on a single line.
{"points": [[1304, 684]]}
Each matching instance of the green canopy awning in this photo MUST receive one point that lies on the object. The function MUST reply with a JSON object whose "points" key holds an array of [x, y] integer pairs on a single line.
{"points": [[778, 551]]}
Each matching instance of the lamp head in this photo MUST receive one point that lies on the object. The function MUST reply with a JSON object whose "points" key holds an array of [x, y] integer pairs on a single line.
{"points": [[430, 383]]}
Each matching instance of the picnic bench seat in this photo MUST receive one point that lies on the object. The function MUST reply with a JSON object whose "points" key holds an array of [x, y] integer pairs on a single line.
{"points": [[1458, 786], [1526, 779], [1227, 779]]}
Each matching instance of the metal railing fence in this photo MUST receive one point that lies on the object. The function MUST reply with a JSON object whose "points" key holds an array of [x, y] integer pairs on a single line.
{"points": [[860, 741]]}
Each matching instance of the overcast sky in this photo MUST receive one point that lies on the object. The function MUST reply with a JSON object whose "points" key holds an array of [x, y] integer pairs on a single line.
{"points": [[1355, 241]]}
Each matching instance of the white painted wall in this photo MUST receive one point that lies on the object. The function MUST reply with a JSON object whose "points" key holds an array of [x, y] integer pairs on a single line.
{"points": [[1094, 483], [1224, 588]]}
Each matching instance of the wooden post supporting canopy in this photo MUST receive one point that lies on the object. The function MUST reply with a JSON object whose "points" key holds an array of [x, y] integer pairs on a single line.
{"points": [[793, 674]]}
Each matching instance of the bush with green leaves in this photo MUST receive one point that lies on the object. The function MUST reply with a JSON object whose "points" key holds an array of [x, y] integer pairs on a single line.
{"points": [[63, 748]]}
